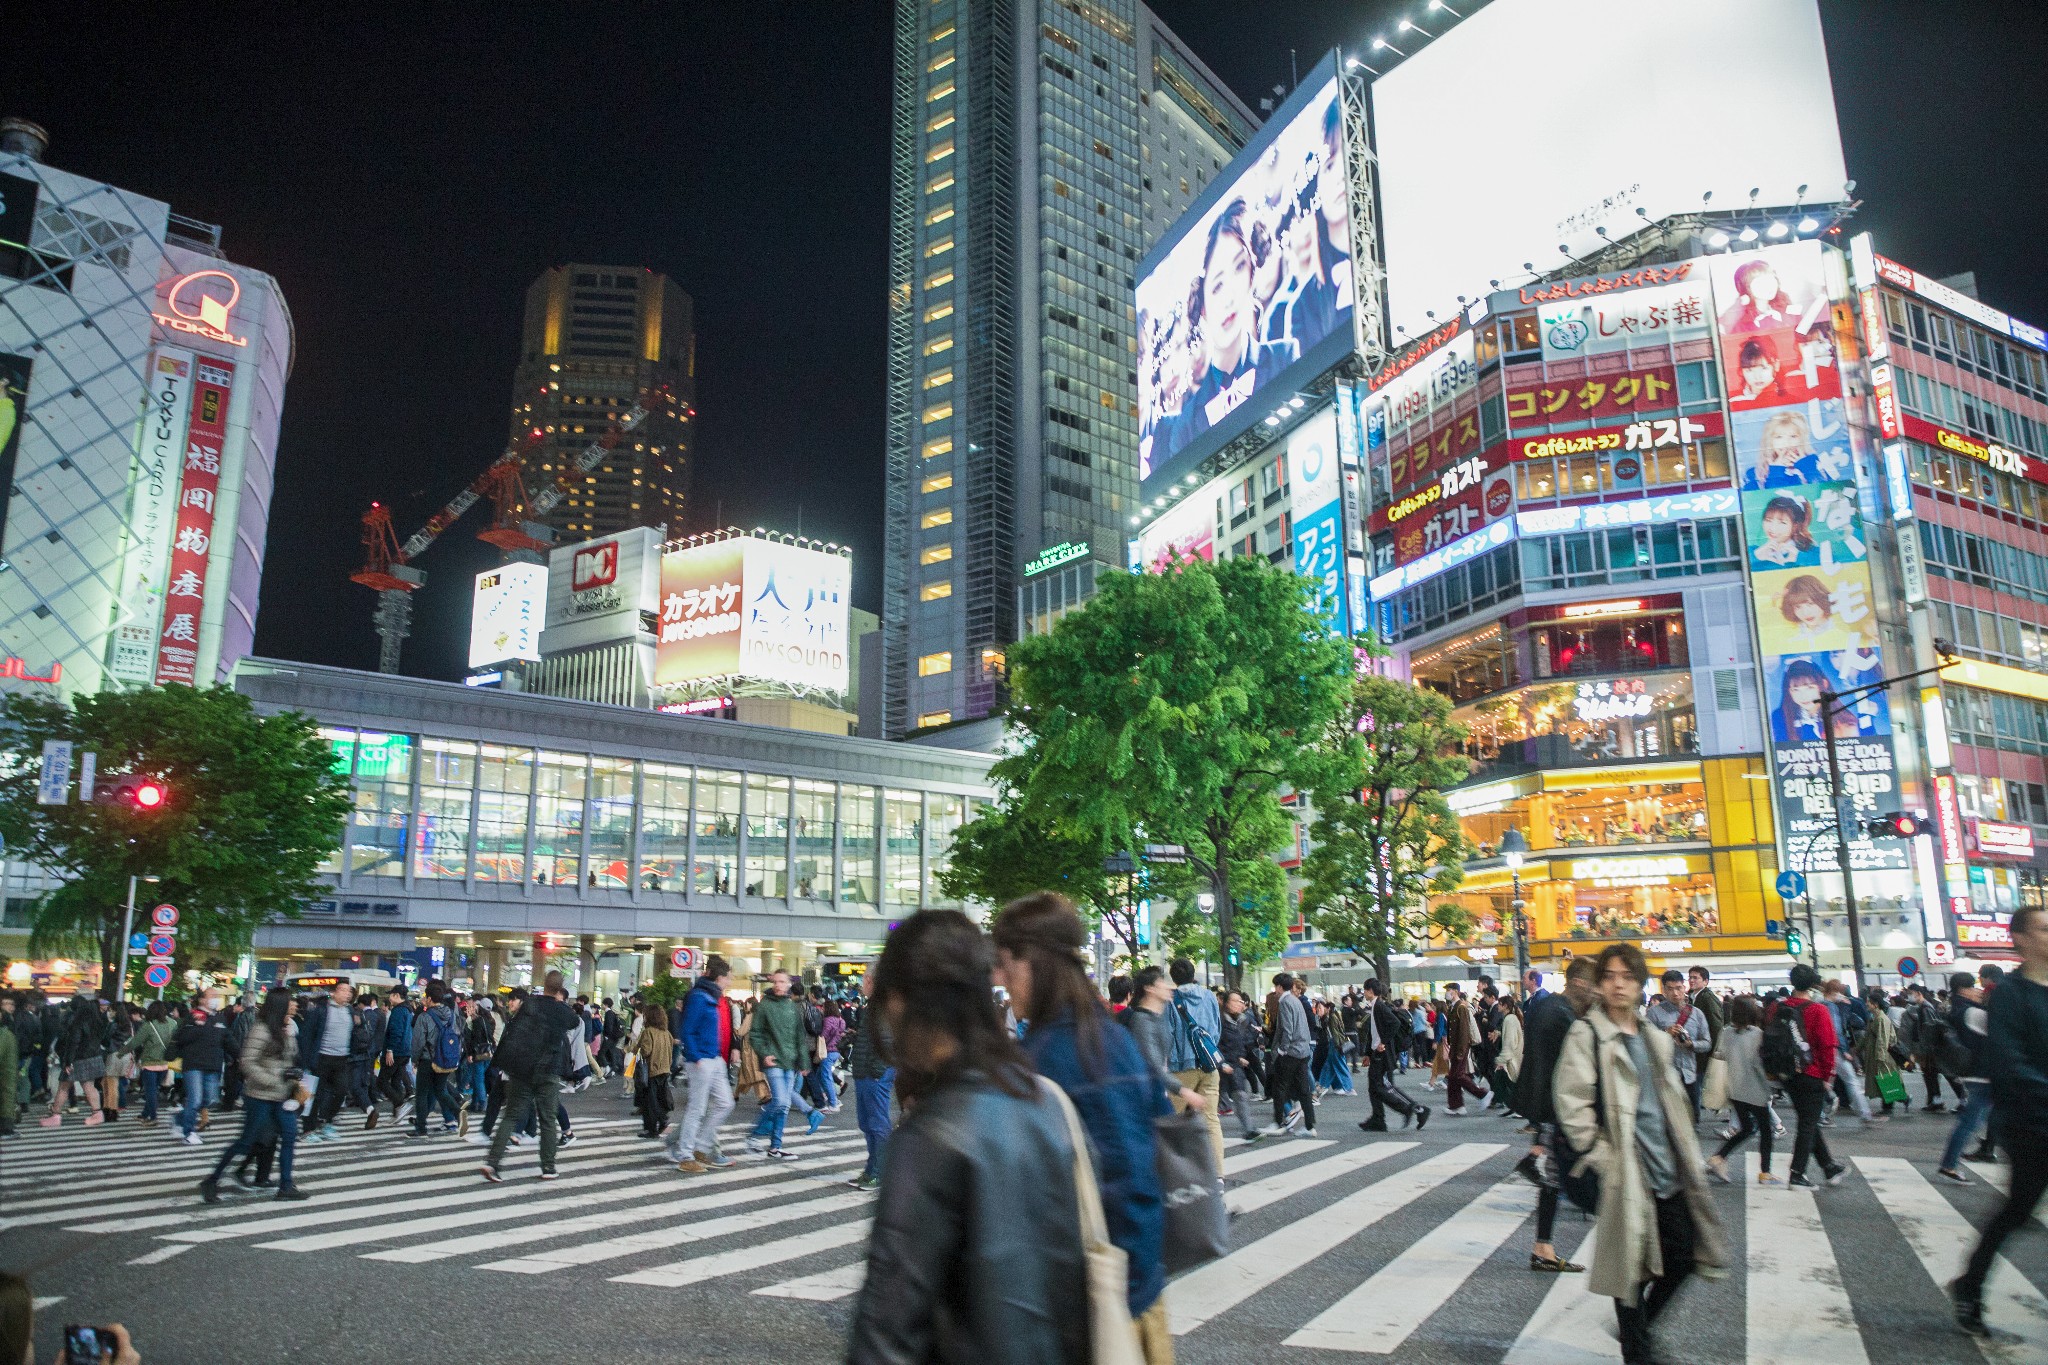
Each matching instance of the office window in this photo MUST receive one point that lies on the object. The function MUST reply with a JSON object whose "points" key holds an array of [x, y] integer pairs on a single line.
{"points": [[938, 312], [931, 718], [811, 816], [938, 516], [664, 826], [610, 819], [940, 62], [561, 781], [941, 662], [447, 772], [938, 344], [936, 483], [944, 182], [939, 153], [937, 378], [944, 120], [937, 554], [767, 836], [942, 446], [859, 848], [940, 247], [903, 835], [939, 280], [343, 745], [942, 34], [938, 215], [939, 92], [378, 829], [932, 592], [504, 794], [937, 413], [948, 813], [717, 816]]}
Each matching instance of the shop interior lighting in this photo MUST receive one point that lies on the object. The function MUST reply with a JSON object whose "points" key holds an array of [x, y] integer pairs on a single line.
{"points": [[1777, 230], [1808, 224], [1717, 239], [1748, 234]]}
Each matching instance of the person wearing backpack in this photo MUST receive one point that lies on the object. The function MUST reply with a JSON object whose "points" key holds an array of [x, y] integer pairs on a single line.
{"points": [[1798, 1051], [391, 1076], [531, 1054], [1192, 1039], [437, 1057], [1621, 1107], [1965, 1056], [1921, 1029]]}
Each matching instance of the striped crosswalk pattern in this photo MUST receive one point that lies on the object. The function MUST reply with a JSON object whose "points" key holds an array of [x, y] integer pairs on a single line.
{"points": [[1373, 1247]]}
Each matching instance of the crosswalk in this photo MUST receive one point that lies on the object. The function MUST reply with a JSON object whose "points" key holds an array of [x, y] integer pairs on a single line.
{"points": [[1341, 1248]]}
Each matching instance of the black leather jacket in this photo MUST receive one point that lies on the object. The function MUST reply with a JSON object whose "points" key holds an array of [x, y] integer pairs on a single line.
{"points": [[975, 1257]]}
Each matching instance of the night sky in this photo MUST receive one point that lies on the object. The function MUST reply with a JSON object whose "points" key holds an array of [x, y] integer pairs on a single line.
{"points": [[405, 179]]}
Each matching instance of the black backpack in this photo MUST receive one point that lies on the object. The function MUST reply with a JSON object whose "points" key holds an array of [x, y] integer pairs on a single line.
{"points": [[1950, 1052], [1784, 1051]]}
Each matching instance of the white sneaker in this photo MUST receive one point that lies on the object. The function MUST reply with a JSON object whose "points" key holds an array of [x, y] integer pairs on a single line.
{"points": [[478, 1139], [1308, 1132], [194, 1140]]}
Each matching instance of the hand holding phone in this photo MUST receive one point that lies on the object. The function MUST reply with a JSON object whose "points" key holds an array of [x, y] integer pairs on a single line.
{"points": [[107, 1345]]}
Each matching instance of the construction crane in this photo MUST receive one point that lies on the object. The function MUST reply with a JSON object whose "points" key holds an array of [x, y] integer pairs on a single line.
{"points": [[387, 564]]}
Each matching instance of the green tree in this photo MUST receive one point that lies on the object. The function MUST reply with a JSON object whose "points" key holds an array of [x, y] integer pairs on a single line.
{"points": [[1005, 853], [254, 805], [1175, 708], [1384, 836]]}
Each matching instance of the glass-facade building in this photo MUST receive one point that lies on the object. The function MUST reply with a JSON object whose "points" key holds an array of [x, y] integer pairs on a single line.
{"points": [[1039, 147]]}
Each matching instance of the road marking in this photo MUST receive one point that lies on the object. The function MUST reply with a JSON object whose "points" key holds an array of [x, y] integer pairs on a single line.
{"points": [[1942, 1238], [827, 1286], [1573, 1326], [1259, 1193], [701, 1268], [1379, 1316], [162, 1254], [47, 1301], [1266, 1156], [1221, 1285], [1999, 1179], [565, 1258], [1799, 1313]]}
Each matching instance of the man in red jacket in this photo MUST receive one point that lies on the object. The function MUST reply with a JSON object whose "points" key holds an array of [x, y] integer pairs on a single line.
{"points": [[1809, 1089]]}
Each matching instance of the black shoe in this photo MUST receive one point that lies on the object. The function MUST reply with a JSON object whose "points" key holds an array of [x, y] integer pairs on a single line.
{"points": [[1530, 1170], [1934, 1109], [1373, 1126], [1422, 1118], [1969, 1311], [1800, 1182], [1985, 1153], [1835, 1174], [209, 1190], [245, 1180], [291, 1193]]}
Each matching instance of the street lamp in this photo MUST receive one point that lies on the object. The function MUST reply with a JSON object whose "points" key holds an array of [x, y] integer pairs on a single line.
{"points": [[1513, 849]]}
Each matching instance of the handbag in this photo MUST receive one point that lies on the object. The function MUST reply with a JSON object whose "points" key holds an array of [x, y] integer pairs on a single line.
{"points": [[1714, 1089], [1191, 1188], [1891, 1087], [632, 1064], [1112, 1336]]}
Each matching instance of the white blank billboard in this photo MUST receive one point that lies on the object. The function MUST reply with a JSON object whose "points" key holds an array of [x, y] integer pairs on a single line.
{"points": [[1532, 123]]}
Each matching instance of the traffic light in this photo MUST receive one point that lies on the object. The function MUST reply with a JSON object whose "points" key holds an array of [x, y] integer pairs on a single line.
{"points": [[1897, 826], [135, 791], [1795, 942], [1233, 957]]}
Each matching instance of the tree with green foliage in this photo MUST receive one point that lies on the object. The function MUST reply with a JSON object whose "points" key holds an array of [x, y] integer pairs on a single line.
{"points": [[253, 806], [1176, 707], [1384, 836], [1005, 853]]}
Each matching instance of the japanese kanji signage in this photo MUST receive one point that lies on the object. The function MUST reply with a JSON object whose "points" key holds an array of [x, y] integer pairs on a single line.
{"points": [[753, 607], [1614, 321], [1808, 552], [1630, 394], [177, 654], [152, 516], [1314, 501]]}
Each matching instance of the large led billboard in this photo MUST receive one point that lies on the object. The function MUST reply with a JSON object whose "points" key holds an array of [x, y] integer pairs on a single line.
{"points": [[1534, 124], [1253, 287], [754, 608], [506, 613]]}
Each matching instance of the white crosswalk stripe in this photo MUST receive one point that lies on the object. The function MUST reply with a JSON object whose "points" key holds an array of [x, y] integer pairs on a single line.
{"points": [[1573, 1327], [1799, 1311], [1942, 1238], [1998, 1179]]}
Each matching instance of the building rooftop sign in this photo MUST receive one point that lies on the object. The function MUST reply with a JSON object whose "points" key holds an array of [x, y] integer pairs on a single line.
{"points": [[1066, 552]]}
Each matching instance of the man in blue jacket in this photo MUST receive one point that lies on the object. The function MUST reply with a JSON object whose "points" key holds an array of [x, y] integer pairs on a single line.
{"points": [[1193, 1043], [391, 1080], [706, 1039]]}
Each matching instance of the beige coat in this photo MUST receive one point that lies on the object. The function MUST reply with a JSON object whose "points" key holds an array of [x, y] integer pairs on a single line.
{"points": [[1626, 1254]]}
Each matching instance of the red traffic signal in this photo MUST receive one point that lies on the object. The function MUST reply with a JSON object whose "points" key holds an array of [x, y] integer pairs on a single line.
{"points": [[132, 792], [1898, 826]]}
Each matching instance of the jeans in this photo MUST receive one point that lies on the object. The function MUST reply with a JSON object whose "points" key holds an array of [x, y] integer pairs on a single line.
{"points": [[872, 1099], [784, 1087], [2029, 1181], [523, 1099], [1976, 1103], [1754, 1119], [1675, 1242], [822, 1075], [260, 1120], [1852, 1084], [474, 1085], [1809, 1096], [435, 1087], [202, 1090], [152, 1086], [709, 1102], [1379, 1084]]}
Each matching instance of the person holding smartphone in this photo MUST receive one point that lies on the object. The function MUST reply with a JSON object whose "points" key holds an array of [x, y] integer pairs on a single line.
{"points": [[108, 1345]]}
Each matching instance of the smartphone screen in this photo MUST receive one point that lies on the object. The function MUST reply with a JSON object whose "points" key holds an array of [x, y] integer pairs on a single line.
{"points": [[86, 1345]]}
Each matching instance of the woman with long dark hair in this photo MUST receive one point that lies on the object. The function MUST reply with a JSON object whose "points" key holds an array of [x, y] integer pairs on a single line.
{"points": [[960, 1267], [151, 1039], [270, 1085], [1038, 943]]}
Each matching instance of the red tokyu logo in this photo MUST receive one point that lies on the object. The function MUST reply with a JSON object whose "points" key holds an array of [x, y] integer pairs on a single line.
{"points": [[594, 567]]}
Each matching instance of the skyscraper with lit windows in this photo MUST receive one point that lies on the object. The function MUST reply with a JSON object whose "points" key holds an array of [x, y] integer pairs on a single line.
{"points": [[1039, 145]]}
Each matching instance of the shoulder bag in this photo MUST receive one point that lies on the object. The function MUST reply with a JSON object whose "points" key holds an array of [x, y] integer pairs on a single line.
{"points": [[1112, 1336]]}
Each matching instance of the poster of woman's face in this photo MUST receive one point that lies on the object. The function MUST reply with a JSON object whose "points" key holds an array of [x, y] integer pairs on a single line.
{"points": [[1816, 610], [1786, 447], [1803, 526], [1794, 686]]}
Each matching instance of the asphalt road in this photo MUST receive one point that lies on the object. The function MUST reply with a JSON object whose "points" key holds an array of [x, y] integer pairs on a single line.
{"points": [[1404, 1246]]}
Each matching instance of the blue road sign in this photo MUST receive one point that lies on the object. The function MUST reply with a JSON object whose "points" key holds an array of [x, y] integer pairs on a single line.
{"points": [[1791, 885], [158, 977], [1908, 967], [138, 943]]}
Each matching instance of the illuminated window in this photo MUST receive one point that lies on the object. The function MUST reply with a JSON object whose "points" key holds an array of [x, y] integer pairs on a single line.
{"points": [[943, 121], [940, 62], [937, 554], [944, 182], [942, 516], [940, 280], [942, 662], [942, 34], [939, 92], [992, 661], [938, 215], [937, 483], [934, 314], [934, 380], [931, 718], [940, 247], [940, 152], [932, 592], [942, 446], [944, 343], [938, 412]]}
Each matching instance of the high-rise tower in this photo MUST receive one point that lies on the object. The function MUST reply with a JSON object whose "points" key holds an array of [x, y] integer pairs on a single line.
{"points": [[597, 340], [1038, 146]]}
